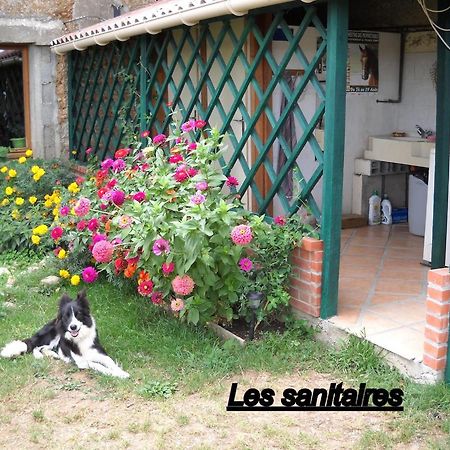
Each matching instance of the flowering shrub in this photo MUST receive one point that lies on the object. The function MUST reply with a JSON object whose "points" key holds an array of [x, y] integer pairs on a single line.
{"points": [[28, 200], [157, 215]]}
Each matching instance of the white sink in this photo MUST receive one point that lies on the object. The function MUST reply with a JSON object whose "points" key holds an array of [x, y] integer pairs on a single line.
{"points": [[410, 150]]}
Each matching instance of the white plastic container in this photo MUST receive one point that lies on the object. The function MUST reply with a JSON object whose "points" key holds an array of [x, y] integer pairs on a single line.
{"points": [[374, 209], [417, 205], [386, 211]]}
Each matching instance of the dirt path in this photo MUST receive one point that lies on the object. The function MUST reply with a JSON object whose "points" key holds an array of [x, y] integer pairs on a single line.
{"points": [[77, 416]]}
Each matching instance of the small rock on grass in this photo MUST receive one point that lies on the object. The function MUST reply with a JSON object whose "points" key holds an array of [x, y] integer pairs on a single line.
{"points": [[51, 280]]}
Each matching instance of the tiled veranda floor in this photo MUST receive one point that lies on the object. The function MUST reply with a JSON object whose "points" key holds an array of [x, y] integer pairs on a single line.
{"points": [[383, 288]]}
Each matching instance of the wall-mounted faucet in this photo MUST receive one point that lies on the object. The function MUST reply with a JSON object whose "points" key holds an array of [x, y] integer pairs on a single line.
{"points": [[423, 133]]}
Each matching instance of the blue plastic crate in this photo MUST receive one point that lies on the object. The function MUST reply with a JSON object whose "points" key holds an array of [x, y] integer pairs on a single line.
{"points": [[399, 215]]}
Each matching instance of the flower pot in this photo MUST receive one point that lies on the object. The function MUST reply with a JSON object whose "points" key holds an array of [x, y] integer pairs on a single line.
{"points": [[18, 142]]}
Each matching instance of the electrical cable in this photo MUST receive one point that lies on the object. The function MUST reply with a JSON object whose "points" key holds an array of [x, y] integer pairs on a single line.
{"points": [[434, 25]]}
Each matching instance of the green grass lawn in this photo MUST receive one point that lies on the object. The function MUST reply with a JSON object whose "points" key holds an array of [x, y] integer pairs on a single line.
{"points": [[166, 358]]}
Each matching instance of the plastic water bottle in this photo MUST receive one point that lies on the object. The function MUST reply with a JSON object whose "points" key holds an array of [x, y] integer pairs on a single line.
{"points": [[386, 211], [374, 209]]}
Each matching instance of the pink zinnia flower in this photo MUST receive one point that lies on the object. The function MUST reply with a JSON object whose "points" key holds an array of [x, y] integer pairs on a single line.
{"points": [[161, 246], [192, 172], [176, 304], [245, 264], [232, 181], [280, 220], [118, 165], [107, 164], [124, 221], [118, 197], [188, 126], [88, 151], [146, 288], [116, 241], [93, 225], [174, 159], [198, 198], [139, 196], [241, 235], [81, 225], [168, 268], [56, 233], [192, 146], [79, 180], [103, 251], [145, 134], [89, 275], [82, 207], [201, 186], [99, 237], [183, 285], [157, 297], [64, 210], [159, 139], [200, 124]]}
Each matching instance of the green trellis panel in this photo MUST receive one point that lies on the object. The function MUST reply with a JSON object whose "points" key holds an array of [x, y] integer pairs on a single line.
{"points": [[135, 80]]}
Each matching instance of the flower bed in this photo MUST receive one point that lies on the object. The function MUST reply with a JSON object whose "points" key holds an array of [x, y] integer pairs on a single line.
{"points": [[164, 218]]}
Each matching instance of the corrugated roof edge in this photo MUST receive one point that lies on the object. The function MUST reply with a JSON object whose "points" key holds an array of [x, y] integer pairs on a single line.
{"points": [[155, 18]]}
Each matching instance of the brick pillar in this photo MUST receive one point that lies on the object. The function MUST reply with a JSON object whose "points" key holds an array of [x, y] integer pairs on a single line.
{"points": [[437, 319], [306, 277]]}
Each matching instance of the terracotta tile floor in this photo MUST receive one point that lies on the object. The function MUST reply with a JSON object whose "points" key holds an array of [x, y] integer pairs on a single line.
{"points": [[383, 288]]}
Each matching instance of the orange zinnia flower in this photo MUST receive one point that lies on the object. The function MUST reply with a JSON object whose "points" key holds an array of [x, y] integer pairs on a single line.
{"points": [[143, 276], [130, 270]]}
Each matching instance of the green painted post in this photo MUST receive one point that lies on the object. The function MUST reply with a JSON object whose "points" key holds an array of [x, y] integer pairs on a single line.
{"points": [[337, 31], [143, 83], [442, 146], [69, 59]]}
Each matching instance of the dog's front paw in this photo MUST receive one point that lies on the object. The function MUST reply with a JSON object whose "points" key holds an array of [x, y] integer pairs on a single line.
{"points": [[121, 374]]}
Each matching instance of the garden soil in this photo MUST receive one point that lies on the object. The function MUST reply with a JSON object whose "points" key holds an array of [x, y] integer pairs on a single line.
{"points": [[55, 414]]}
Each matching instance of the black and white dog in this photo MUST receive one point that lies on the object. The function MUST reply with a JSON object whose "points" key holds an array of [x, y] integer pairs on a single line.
{"points": [[72, 336]]}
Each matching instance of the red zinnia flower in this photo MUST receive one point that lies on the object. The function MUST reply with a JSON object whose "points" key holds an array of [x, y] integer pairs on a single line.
{"points": [[146, 288], [121, 153]]}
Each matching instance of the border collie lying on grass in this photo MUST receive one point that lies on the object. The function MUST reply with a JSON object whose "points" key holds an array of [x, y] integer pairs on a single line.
{"points": [[72, 336]]}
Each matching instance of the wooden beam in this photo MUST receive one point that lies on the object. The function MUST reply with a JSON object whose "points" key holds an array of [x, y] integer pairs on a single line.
{"points": [[263, 75], [337, 47], [26, 95], [442, 145]]}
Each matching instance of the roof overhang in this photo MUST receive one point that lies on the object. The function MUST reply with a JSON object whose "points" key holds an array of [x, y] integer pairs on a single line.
{"points": [[157, 17]]}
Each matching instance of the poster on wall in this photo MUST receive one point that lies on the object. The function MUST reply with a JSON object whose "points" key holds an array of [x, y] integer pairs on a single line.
{"points": [[362, 68]]}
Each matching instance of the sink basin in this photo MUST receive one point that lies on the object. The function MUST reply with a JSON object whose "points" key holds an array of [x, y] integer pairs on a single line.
{"points": [[410, 150], [408, 138]]}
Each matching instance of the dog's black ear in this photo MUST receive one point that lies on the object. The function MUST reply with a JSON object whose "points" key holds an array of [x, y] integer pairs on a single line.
{"points": [[62, 302], [82, 300]]}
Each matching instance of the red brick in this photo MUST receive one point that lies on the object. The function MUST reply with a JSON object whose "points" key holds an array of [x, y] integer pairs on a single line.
{"points": [[311, 244], [316, 277], [435, 350], [297, 273], [317, 256], [294, 293], [438, 293], [440, 322], [316, 266], [305, 265], [306, 308], [296, 261], [441, 277], [440, 337], [296, 252], [434, 306], [436, 364], [307, 256]]}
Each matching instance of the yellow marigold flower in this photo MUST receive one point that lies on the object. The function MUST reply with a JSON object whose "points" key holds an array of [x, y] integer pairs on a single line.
{"points": [[22, 160], [5, 202], [19, 201], [29, 153], [40, 230], [35, 239], [48, 203], [9, 190], [73, 188], [64, 273], [35, 169], [41, 172], [15, 214], [55, 212], [3, 169], [32, 199], [36, 177], [62, 254], [12, 173], [75, 280]]}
